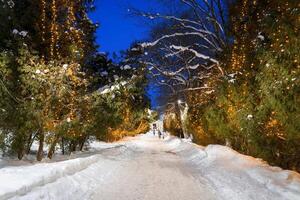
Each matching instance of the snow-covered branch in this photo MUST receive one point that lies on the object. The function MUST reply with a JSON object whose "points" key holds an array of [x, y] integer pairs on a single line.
{"points": [[183, 54], [196, 53], [184, 34]]}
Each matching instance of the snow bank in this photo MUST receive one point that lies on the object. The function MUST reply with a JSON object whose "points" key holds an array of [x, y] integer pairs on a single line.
{"points": [[20, 180], [245, 175], [232, 175], [98, 146]]}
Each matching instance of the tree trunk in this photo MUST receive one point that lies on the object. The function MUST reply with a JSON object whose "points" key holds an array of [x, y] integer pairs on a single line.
{"points": [[20, 154], [28, 144], [19, 145], [40, 153], [72, 146], [52, 148], [30, 141], [62, 146], [82, 143], [183, 114]]}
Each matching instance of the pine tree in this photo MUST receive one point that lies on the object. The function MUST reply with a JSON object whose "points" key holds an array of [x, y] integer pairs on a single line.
{"points": [[257, 106], [44, 82]]}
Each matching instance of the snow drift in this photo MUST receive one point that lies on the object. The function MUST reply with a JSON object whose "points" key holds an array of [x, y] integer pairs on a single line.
{"points": [[232, 176], [223, 166], [18, 181]]}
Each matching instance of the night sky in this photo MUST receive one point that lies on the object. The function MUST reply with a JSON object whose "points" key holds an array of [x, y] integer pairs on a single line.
{"points": [[118, 28]]}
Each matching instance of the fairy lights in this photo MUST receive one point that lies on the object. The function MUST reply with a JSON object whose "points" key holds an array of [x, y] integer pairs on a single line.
{"points": [[43, 19], [60, 31], [76, 36], [53, 30], [238, 57]]}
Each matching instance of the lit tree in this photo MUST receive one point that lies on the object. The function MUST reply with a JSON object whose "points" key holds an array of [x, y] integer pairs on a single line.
{"points": [[43, 74], [185, 51], [256, 107]]}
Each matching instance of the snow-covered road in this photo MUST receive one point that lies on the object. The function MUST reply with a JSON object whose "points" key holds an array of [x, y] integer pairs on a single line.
{"points": [[153, 173], [146, 168]]}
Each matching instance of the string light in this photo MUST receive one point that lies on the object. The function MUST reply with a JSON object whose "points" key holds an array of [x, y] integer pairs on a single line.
{"points": [[72, 25], [53, 30], [43, 19], [43, 24]]}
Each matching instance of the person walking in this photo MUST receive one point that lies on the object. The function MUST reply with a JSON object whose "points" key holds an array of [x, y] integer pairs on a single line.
{"points": [[159, 134], [154, 128]]}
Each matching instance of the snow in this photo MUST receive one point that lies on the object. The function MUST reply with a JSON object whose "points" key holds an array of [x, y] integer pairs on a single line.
{"points": [[149, 111], [134, 49], [232, 75], [116, 77], [210, 92], [249, 117], [23, 179], [105, 73], [147, 168], [15, 31], [231, 80], [19, 181], [127, 67], [134, 76], [260, 36], [65, 66], [197, 54], [105, 90], [21, 33], [248, 177], [10, 3], [108, 89]]}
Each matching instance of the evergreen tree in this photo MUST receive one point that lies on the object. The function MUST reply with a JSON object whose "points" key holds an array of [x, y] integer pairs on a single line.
{"points": [[256, 108], [44, 76]]}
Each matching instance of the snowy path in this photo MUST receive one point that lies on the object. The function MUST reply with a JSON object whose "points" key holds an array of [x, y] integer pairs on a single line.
{"points": [[152, 174], [145, 168]]}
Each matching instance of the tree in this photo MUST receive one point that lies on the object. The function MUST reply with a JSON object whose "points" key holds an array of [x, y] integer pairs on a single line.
{"points": [[125, 98], [256, 107], [44, 75], [185, 51]]}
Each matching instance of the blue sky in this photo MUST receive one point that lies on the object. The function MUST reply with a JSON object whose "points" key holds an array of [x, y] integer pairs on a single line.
{"points": [[118, 29]]}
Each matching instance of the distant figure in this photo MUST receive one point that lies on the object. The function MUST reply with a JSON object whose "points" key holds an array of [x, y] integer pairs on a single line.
{"points": [[159, 134], [154, 129]]}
